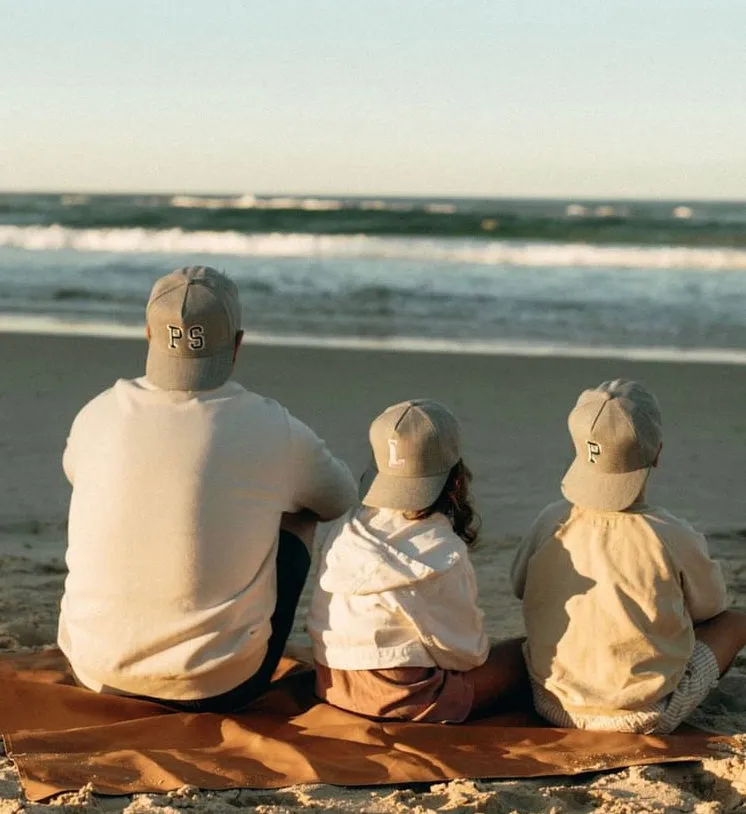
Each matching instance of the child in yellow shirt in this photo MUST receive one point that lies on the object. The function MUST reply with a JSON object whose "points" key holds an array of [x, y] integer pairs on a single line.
{"points": [[625, 611]]}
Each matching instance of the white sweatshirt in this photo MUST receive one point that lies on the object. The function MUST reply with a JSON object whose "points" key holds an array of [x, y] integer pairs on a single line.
{"points": [[393, 592], [173, 531]]}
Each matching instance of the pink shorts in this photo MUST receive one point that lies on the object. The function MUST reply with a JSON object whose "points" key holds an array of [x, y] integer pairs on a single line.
{"points": [[425, 694]]}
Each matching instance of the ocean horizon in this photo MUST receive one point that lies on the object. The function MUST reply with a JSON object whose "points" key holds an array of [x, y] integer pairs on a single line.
{"points": [[613, 278]]}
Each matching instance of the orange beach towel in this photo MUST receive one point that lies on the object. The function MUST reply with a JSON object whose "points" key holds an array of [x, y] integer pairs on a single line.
{"points": [[62, 737]]}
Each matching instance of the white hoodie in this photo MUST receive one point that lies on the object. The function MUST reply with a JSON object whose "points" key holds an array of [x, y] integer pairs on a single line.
{"points": [[392, 592]]}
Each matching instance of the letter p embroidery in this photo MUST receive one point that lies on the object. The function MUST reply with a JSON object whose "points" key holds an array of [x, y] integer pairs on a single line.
{"points": [[174, 334], [594, 450]]}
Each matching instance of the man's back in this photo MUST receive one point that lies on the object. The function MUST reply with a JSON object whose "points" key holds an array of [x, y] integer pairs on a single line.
{"points": [[173, 532]]}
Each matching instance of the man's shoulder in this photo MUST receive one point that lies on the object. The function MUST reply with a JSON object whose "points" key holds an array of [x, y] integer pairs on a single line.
{"points": [[100, 400], [140, 391], [234, 390], [231, 394], [256, 405]]}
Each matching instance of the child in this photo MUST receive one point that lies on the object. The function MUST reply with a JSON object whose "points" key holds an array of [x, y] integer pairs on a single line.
{"points": [[624, 609], [396, 629]]}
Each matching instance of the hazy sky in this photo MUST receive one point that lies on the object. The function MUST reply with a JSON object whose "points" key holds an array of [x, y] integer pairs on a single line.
{"points": [[476, 97]]}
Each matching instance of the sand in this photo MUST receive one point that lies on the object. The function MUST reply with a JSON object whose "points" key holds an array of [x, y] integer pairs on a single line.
{"points": [[513, 413]]}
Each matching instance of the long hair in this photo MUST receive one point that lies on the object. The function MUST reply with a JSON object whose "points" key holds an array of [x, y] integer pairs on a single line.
{"points": [[454, 502]]}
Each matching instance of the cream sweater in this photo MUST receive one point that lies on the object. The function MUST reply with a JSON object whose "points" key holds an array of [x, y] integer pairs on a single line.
{"points": [[609, 602], [393, 592], [173, 531]]}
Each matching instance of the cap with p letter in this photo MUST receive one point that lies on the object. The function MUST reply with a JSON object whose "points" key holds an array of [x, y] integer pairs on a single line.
{"points": [[616, 431]]}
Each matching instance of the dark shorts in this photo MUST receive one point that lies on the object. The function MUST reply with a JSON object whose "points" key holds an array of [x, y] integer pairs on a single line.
{"points": [[293, 562]]}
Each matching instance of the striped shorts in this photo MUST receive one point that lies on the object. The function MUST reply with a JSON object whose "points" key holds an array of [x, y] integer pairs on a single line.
{"points": [[700, 678]]}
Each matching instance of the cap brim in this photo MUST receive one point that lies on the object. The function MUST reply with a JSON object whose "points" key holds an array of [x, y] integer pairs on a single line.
{"points": [[405, 494], [584, 486], [170, 372]]}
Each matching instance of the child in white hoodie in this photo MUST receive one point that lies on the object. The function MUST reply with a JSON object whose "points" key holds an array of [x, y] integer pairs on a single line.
{"points": [[394, 621]]}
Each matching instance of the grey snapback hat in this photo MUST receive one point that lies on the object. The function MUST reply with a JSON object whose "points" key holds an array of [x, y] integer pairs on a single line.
{"points": [[616, 431], [193, 315], [415, 445]]}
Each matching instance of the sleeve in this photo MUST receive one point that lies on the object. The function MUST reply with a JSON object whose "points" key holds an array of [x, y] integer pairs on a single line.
{"points": [[448, 621], [549, 519], [69, 455], [527, 547], [520, 564], [701, 577], [319, 481], [75, 446]]}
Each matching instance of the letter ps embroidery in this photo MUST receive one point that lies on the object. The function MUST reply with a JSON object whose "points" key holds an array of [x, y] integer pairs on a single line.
{"points": [[195, 336], [594, 450]]}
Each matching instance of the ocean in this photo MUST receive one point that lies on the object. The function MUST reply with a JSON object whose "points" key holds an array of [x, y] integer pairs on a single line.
{"points": [[637, 279]]}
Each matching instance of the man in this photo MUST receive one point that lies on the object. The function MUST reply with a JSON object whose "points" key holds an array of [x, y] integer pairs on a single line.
{"points": [[193, 510]]}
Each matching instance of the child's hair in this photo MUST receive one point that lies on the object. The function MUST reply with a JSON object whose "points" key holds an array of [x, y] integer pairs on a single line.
{"points": [[454, 502]]}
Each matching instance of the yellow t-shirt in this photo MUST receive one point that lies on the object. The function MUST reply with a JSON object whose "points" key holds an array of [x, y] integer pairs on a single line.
{"points": [[610, 600]]}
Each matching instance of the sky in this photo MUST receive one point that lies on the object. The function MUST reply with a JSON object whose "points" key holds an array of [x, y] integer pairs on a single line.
{"points": [[566, 98]]}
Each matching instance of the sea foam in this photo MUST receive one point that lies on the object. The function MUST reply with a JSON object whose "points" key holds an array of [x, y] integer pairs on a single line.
{"points": [[441, 249]]}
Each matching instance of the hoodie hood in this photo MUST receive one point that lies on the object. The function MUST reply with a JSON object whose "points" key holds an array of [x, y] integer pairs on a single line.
{"points": [[379, 550]]}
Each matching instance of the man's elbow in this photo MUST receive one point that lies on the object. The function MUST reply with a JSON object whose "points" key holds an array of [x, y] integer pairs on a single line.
{"points": [[342, 500], [333, 511]]}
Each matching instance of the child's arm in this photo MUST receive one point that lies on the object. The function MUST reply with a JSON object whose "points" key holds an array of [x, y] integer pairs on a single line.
{"points": [[520, 564], [448, 620], [701, 578], [545, 523]]}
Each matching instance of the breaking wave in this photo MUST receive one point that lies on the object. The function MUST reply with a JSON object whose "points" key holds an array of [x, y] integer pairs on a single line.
{"points": [[417, 250]]}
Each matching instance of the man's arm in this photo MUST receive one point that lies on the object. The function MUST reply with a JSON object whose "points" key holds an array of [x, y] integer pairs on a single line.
{"points": [[68, 457], [321, 483]]}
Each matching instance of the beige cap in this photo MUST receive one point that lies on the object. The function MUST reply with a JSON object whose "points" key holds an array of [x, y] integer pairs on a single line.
{"points": [[616, 430], [193, 316], [415, 445]]}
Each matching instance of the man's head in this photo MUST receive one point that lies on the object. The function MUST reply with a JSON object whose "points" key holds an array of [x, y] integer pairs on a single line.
{"points": [[193, 323], [616, 430]]}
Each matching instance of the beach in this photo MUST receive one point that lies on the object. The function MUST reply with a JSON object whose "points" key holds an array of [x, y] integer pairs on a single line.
{"points": [[513, 413]]}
